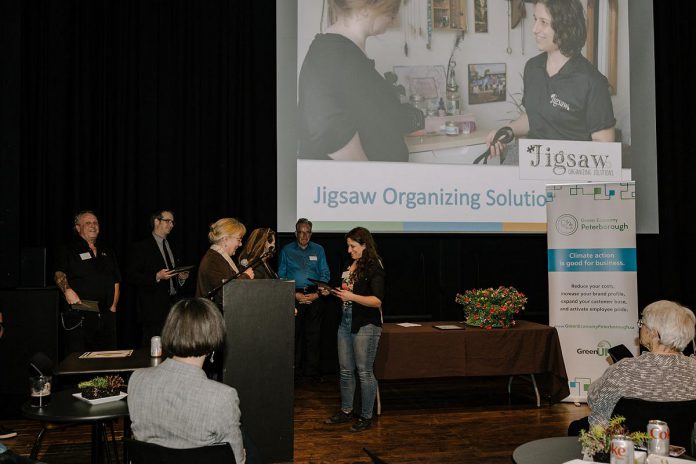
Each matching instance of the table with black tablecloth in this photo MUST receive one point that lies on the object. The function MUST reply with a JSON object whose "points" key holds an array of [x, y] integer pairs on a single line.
{"points": [[64, 408], [429, 352]]}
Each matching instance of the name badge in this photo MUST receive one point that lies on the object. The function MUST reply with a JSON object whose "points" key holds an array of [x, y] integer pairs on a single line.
{"points": [[312, 258], [85, 256], [345, 275]]}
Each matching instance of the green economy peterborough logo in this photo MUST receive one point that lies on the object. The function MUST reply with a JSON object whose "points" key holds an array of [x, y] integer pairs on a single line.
{"points": [[602, 349], [566, 224]]}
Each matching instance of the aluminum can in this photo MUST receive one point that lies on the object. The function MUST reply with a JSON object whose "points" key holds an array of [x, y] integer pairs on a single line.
{"points": [[659, 437], [621, 450], [155, 347]]}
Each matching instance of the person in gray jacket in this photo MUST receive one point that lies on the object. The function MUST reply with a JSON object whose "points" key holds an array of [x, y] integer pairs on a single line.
{"points": [[175, 404]]}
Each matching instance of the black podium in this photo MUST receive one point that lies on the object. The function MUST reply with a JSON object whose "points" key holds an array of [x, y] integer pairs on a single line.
{"points": [[258, 363]]}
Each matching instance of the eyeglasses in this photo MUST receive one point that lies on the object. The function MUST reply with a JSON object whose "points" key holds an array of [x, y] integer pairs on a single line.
{"points": [[239, 239], [170, 221]]}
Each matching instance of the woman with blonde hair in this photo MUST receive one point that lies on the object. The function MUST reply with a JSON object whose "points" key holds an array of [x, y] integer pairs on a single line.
{"points": [[217, 266]]}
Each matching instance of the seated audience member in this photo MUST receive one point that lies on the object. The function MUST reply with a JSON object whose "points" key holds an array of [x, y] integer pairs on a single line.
{"points": [[175, 404], [662, 373]]}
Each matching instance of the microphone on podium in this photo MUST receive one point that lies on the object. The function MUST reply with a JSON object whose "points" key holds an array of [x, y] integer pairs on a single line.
{"points": [[246, 264]]}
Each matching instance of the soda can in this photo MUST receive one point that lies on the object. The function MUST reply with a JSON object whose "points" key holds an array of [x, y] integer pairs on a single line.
{"points": [[659, 437], [621, 450], [155, 347]]}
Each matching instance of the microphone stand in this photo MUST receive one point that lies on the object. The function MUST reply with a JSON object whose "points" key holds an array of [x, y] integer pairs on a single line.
{"points": [[251, 264]]}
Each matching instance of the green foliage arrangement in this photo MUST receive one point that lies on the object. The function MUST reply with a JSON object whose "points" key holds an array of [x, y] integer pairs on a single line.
{"points": [[488, 307], [100, 387], [598, 440]]}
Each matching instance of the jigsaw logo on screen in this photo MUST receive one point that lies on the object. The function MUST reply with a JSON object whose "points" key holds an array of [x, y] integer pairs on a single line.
{"points": [[569, 160], [561, 162], [602, 349]]}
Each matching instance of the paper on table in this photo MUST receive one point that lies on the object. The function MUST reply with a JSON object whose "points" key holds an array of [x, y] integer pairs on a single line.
{"points": [[448, 327], [408, 324], [106, 354]]}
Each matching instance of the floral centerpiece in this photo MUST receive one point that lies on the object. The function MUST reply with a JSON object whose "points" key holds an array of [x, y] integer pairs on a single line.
{"points": [[490, 307], [101, 387], [596, 443]]}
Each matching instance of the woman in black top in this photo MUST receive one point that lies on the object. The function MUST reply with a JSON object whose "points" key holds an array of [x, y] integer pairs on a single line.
{"points": [[362, 293], [565, 96], [346, 109]]}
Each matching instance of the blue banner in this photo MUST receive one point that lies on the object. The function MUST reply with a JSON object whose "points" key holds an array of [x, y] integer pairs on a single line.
{"points": [[592, 260]]}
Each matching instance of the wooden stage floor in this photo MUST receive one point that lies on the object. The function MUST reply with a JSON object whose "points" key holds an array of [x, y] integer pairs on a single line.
{"points": [[433, 421]]}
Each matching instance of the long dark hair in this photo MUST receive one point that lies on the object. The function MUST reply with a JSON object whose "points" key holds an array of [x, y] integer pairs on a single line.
{"points": [[370, 258], [568, 24], [256, 243]]}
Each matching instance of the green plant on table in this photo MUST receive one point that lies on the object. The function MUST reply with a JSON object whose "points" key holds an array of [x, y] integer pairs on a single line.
{"points": [[99, 387], [598, 439]]}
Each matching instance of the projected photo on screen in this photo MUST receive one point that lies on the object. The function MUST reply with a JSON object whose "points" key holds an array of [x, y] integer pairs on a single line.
{"points": [[406, 118]]}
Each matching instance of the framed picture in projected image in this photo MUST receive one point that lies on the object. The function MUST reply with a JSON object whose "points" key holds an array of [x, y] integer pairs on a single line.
{"points": [[487, 83]]}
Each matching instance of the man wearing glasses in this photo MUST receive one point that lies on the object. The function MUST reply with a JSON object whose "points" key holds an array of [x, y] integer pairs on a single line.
{"points": [[150, 271], [87, 274], [300, 261]]}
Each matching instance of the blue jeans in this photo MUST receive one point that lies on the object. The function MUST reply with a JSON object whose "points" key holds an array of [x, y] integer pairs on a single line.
{"points": [[357, 350]]}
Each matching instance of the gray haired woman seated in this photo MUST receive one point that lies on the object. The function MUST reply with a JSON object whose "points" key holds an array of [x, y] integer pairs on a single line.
{"points": [[175, 404], [662, 373]]}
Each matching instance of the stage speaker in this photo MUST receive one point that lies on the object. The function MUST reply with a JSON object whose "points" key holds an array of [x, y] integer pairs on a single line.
{"points": [[32, 269]]}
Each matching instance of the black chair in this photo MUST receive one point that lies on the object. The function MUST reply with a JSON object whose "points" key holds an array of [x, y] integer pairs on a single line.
{"points": [[679, 415], [140, 452]]}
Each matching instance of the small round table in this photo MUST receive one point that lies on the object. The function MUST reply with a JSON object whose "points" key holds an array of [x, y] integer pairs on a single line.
{"points": [[555, 450], [65, 408]]}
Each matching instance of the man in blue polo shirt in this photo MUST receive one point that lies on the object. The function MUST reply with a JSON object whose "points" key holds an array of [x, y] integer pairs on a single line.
{"points": [[300, 261]]}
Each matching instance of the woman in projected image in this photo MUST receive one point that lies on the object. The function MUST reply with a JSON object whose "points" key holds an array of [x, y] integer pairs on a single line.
{"points": [[347, 110], [565, 96], [362, 293]]}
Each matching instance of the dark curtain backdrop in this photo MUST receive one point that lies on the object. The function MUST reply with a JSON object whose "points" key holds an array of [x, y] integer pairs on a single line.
{"points": [[132, 105], [128, 105]]}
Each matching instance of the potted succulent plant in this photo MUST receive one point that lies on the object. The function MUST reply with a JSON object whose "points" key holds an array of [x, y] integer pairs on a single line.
{"points": [[102, 387]]}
